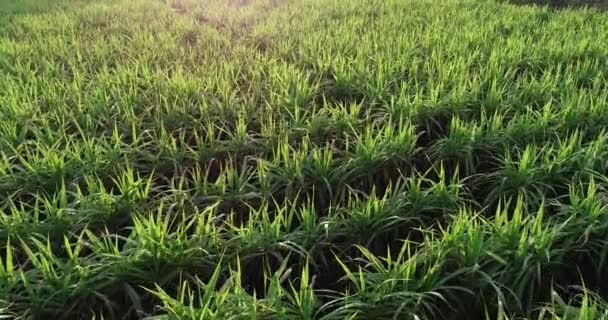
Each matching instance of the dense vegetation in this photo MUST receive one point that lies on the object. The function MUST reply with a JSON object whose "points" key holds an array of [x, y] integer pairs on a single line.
{"points": [[302, 159]]}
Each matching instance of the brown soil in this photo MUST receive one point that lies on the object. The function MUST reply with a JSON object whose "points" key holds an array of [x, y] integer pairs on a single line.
{"points": [[238, 3]]}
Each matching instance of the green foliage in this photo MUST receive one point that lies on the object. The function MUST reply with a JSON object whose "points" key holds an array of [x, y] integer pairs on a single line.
{"points": [[302, 159]]}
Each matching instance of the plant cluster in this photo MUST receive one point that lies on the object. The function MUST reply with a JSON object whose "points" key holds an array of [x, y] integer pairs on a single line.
{"points": [[302, 159]]}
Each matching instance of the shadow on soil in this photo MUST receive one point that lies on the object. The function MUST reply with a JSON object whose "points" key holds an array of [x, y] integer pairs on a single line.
{"points": [[563, 4]]}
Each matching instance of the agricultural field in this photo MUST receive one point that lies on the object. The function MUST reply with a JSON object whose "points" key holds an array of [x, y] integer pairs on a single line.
{"points": [[303, 159]]}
